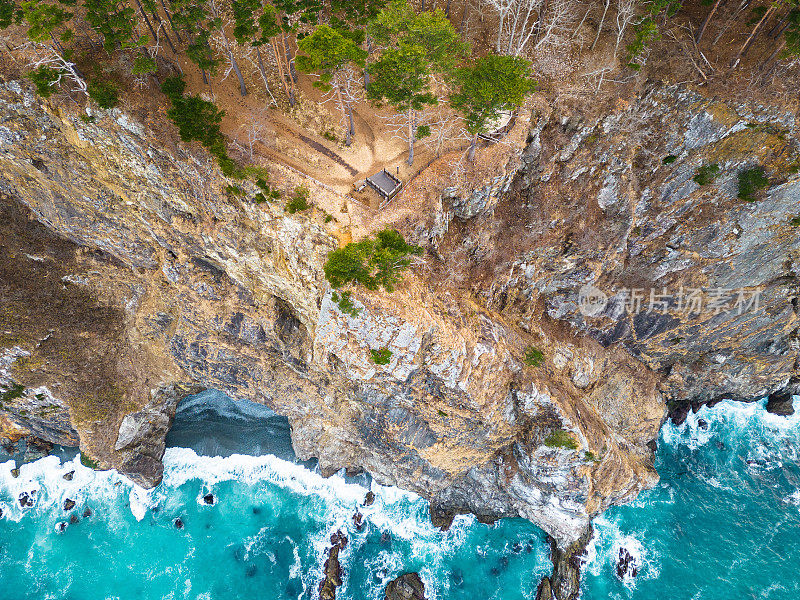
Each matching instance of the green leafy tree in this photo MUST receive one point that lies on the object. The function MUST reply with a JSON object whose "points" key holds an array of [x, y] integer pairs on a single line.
{"points": [[144, 64], [350, 16], [646, 30], [48, 27], [44, 78], [115, 21], [371, 263], [199, 120], [330, 55], [258, 24], [415, 47], [43, 19], [10, 13], [217, 23], [292, 15], [104, 93], [401, 77], [432, 31], [792, 34], [191, 17], [245, 31], [200, 53], [487, 87]]}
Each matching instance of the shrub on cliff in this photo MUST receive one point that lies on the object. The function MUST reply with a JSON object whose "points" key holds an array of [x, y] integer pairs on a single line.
{"points": [[44, 78], [533, 357], [750, 182], [382, 356], [345, 303], [104, 93], [706, 174], [371, 263], [199, 119], [559, 438], [299, 202]]}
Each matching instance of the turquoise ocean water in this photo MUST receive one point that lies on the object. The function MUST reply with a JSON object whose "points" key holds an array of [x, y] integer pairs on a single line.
{"points": [[723, 523]]}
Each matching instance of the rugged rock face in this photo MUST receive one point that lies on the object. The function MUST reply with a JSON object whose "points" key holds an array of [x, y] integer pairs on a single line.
{"points": [[170, 286], [407, 586], [611, 202]]}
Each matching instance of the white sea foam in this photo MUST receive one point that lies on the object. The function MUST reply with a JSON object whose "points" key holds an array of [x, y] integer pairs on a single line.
{"points": [[45, 479], [603, 552]]}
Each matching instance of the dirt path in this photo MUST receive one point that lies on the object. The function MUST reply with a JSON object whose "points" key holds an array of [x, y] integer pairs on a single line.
{"points": [[327, 152]]}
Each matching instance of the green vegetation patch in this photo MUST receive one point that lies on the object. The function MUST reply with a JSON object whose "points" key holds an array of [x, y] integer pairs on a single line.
{"points": [[533, 357], [382, 356], [104, 93], [267, 192], [11, 392], [199, 120], [560, 438], [345, 303], [299, 202], [44, 78], [89, 462], [751, 181], [371, 262], [706, 174]]}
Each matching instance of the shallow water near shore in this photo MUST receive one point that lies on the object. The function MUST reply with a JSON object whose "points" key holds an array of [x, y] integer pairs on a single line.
{"points": [[724, 522]]}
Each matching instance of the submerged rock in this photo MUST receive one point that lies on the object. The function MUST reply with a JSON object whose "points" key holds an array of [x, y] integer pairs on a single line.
{"points": [[626, 564], [408, 586], [332, 569], [339, 539], [87, 512], [178, 523], [61, 527], [73, 518]]}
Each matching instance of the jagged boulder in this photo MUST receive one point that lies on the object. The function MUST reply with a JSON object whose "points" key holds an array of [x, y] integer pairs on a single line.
{"points": [[407, 586]]}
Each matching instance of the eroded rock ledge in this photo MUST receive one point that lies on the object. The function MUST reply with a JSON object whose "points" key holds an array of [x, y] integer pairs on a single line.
{"points": [[151, 283]]}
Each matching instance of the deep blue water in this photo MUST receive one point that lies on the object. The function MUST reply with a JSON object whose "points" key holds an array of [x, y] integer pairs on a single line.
{"points": [[723, 523]]}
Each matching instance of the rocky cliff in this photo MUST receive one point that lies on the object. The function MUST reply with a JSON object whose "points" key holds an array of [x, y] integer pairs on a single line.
{"points": [[130, 279]]}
